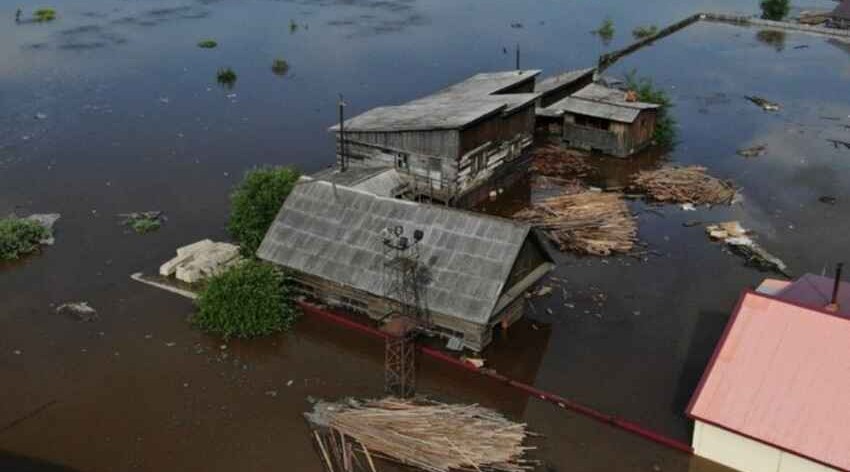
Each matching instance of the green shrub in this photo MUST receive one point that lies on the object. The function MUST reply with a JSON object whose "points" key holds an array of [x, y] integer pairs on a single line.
{"points": [[19, 237], [280, 67], [255, 203], [644, 31], [45, 14], [207, 44], [145, 225], [774, 9], [226, 76], [665, 125], [249, 299], [606, 30]]}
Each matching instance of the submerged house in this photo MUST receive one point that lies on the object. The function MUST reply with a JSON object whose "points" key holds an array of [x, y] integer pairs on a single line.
{"points": [[602, 119], [473, 268], [840, 17], [450, 142], [775, 394]]}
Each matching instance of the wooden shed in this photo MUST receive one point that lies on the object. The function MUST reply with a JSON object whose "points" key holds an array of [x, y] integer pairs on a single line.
{"points": [[603, 119], [475, 268], [449, 142]]}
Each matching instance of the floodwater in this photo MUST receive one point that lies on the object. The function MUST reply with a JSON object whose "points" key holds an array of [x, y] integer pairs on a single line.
{"points": [[113, 108]]}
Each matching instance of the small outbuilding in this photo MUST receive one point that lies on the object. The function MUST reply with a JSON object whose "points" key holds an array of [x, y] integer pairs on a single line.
{"points": [[603, 119], [472, 273], [775, 394], [840, 17], [449, 142]]}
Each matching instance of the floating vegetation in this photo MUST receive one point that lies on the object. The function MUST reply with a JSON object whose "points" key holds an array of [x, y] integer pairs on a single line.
{"points": [[226, 77], [606, 30], [642, 32], [19, 237], [44, 14], [293, 26], [207, 44], [143, 222], [280, 67]]}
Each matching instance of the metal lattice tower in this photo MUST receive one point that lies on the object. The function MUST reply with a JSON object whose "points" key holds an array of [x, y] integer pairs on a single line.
{"points": [[401, 289]]}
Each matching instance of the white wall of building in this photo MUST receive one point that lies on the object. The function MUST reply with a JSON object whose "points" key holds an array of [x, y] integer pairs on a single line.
{"points": [[747, 455]]}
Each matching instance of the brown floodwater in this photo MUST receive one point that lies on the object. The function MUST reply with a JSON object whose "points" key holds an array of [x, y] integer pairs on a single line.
{"points": [[113, 108]]}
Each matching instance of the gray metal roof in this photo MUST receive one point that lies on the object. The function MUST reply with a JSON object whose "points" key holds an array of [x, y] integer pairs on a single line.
{"points": [[842, 11], [334, 232], [451, 108], [600, 102], [563, 79], [383, 181]]}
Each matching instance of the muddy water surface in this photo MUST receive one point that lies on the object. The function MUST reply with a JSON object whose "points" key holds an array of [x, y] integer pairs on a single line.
{"points": [[113, 108]]}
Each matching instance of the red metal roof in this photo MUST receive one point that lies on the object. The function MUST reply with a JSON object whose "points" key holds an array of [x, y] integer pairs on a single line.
{"points": [[781, 375]]}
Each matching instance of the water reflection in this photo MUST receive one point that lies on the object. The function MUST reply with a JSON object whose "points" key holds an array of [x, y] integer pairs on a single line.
{"points": [[772, 38]]}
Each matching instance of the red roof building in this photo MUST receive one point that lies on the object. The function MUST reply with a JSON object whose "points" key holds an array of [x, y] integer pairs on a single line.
{"points": [[776, 393]]}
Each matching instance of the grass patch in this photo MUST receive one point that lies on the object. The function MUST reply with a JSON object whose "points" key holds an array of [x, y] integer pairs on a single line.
{"points": [[247, 300], [19, 237], [280, 67], [44, 14], [207, 44], [255, 203], [775, 9], [606, 30], [665, 124], [644, 31], [226, 76]]}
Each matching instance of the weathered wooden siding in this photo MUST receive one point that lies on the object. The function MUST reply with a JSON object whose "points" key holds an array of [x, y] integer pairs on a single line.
{"points": [[498, 128], [434, 142], [642, 129], [620, 139]]}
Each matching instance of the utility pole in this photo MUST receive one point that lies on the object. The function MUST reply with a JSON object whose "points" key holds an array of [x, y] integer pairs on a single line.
{"points": [[517, 56], [343, 161]]}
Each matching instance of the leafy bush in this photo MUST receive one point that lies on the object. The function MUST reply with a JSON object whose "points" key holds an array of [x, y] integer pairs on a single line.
{"points": [[19, 237], [775, 9], [207, 44], [249, 299], [145, 225], [606, 30], [226, 77], [45, 14], [255, 203], [665, 125], [280, 67], [644, 31]]}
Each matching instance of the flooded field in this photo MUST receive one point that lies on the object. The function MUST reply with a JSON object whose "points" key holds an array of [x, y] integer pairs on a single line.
{"points": [[113, 108]]}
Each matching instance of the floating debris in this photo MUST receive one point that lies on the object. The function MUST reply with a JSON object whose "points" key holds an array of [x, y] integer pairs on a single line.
{"points": [[837, 143], [828, 199], [427, 435], [200, 260], [684, 185], [764, 103], [588, 222], [557, 161], [754, 151], [47, 221], [79, 310], [144, 221], [738, 240]]}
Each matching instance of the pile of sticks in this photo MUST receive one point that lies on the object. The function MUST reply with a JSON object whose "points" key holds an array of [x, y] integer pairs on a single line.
{"points": [[684, 185], [430, 436], [587, 222], [556, 161]]}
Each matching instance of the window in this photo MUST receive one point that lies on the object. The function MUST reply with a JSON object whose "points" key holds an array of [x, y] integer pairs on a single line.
{"points": [[401, 161], [592, 122]]}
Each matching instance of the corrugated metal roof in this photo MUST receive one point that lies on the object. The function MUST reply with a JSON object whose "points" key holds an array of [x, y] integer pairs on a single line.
{"points": [[781, 375], [383, 181], [451, 108], [333, 232]]}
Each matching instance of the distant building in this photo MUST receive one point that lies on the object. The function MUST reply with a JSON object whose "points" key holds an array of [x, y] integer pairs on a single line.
{"points": [[602, 119], [840, 17], [474, 268], [775, 396], [449, 142]]}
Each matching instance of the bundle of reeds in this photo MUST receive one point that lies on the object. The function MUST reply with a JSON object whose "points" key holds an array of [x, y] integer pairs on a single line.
{"points": [[431, 436], [684, 185], [556, 161], [587, 222]]}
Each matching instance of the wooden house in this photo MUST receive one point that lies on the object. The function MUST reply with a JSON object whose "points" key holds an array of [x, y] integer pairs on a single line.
{"points": [[602, 119], [473, 269], [450, 142], [840, 17]]}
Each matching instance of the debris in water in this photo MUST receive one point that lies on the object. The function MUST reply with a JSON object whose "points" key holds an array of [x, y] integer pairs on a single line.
{"points": [[476, 362], [828, 199], [543, 291], [40, 116], [684, 185], [837, 143], [688, 207], [587, 222], [764, 103], [200, 260], [80, 310], [738, 240], [427, 435], [559, 162], [754, 151], [144, 221], [47, 220]]}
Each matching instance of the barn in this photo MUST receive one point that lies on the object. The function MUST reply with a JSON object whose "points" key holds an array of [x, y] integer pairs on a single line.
{"points": [[449, 142], [603, 119], [775, 394], [472, 273]]}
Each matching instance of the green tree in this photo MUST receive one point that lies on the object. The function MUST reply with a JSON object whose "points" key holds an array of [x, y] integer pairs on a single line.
{"points": [[665, 124], [775, 9], [247, 300], [19, 237], [255, 203]]}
